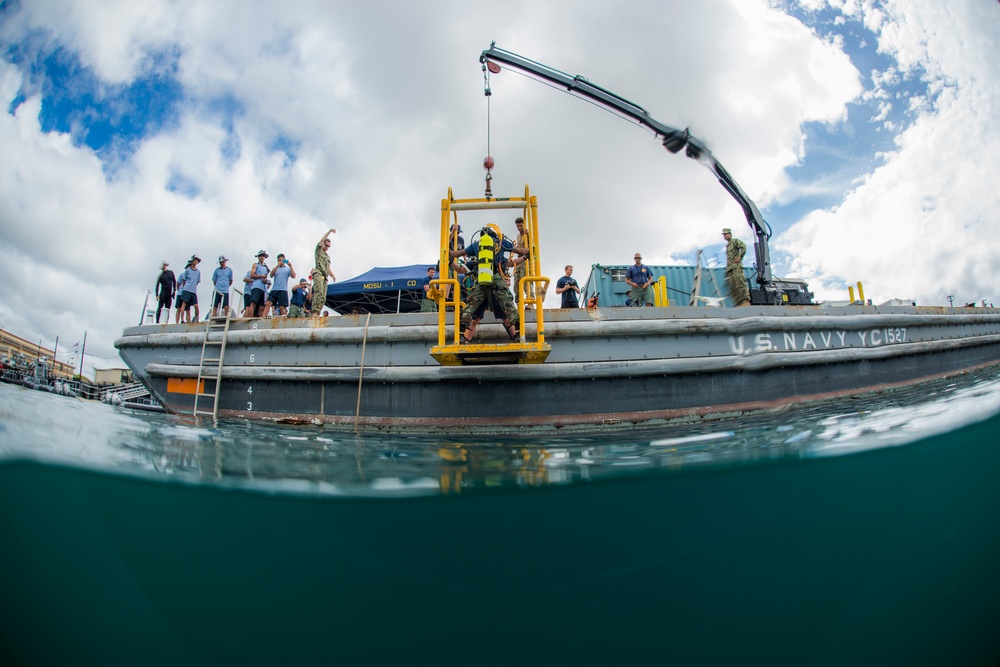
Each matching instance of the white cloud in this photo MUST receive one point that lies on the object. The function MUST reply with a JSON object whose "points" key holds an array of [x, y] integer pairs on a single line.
{"points": [[382, 105], [918, 226]]}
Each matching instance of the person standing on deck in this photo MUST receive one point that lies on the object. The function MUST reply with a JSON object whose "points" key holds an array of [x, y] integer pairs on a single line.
{"points": [[166, 287], [640, 279], [428, 304], [278, 298], [189, 291], [569, 288], [735, 278], [222, 280], [320, 272], [247, 289], [258, 292], [521, 269]]}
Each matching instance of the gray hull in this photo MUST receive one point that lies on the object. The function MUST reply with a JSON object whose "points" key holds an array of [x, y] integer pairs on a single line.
{"points": [[607, 368]]}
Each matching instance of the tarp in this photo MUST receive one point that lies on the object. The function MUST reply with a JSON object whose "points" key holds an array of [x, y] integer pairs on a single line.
{"points": [[393, 289]]}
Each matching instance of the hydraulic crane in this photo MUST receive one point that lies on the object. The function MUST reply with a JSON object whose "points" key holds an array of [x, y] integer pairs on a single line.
{"points": [[674, 140]]}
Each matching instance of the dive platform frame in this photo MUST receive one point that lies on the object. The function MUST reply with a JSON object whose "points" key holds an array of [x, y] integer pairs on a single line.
{"points": [[450, 350]]}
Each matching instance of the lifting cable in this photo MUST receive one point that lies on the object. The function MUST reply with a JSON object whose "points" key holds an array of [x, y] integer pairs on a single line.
{"points": [[488, 162]]}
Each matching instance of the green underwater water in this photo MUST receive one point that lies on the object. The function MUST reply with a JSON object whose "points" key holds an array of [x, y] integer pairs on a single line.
{"points": [[862, 531]]}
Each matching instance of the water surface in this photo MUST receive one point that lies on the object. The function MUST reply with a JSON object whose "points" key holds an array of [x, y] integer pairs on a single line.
{"points": [[859, 531]]}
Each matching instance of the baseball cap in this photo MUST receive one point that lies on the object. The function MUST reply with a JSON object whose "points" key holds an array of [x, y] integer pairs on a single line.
{"points": [[222, 259], [195, 258], [262, 252]]}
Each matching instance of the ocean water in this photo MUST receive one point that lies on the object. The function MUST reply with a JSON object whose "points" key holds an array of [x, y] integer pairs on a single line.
{"points": [[857, 531]]}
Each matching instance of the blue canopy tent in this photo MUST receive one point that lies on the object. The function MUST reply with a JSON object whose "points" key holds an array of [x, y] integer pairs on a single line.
{"points": [[395, 289]]}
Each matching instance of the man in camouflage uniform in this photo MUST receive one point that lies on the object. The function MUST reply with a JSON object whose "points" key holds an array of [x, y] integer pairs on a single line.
{"points": [[735, 278], [320, 272], [495, 294]]}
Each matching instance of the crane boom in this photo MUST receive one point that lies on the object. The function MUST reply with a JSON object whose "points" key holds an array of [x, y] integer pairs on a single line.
{"points": [[673, 140]]}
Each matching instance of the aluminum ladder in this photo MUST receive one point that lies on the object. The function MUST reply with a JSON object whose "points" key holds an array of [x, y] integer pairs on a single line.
{"points": [[213, 351]]}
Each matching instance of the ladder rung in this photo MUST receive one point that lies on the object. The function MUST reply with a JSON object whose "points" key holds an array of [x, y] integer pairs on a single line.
{"points": [[213, 342]]}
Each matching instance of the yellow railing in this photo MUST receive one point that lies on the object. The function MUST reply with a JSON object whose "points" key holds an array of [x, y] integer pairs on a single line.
{"points": [[528, 206], [455, 302], [660, 297]]}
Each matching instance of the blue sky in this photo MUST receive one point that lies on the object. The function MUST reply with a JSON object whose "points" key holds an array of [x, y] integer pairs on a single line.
{"points": [[137, 133]]}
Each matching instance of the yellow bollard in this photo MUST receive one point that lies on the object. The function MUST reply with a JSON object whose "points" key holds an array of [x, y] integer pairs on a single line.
{"points": [[850, 292], [861, 293]]}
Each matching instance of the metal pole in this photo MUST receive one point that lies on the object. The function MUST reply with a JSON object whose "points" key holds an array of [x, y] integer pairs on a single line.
{"points": [[83, 351], [142, 315]]}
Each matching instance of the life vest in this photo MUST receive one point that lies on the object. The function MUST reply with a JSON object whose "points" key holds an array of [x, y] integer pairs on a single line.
{"points": [[485, 258]]}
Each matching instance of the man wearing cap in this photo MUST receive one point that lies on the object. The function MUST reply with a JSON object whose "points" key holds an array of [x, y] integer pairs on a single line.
{"points": [[320, 273], [278, 297], [640, 279], [258, 286], [298, 299], [222, 280], [735, 278], [190, 279], [166, 287]]}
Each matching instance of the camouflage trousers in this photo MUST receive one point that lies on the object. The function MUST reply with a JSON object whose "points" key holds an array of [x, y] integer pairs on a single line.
{"points": [[520, 272], [495, 295], [737, 282], [319, 292]]}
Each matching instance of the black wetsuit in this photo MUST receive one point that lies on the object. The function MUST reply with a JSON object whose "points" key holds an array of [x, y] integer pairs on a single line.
{"points": [[165, 288]]}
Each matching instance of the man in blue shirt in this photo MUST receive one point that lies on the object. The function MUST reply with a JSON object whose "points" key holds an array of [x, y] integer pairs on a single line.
{"points": [[189, 291], [640, 279], [428, 304], [568, 287], [278, 298], [298, 299], [258, 272], [222, 280]]}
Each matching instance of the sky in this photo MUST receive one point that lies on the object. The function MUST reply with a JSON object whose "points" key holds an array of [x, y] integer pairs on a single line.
{"points": [[133, 133]]}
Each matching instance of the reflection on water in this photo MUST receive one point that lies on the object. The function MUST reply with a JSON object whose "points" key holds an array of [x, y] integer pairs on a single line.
{"points": [[317, 461]]}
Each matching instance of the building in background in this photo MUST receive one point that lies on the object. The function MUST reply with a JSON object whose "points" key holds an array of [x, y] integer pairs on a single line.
{"points": [[15, 350]]}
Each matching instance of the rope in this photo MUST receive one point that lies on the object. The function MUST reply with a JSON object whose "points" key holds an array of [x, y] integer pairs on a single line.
{"points": [[361, 373]]}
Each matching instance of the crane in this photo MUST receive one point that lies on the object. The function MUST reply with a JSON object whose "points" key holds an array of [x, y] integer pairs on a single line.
{"points": [[674, 140]]}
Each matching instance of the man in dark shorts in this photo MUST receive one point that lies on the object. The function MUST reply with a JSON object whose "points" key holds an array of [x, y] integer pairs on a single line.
{"points": [[189, 291], [222, 280], [278, 297], [258, 272]]}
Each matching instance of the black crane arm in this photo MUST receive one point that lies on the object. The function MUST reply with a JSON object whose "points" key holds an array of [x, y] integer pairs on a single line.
{"points": [[673, 140]]}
